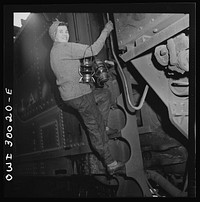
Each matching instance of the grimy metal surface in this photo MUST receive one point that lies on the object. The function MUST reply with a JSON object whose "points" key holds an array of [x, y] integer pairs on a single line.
{"points": [[159, 83], [44, 128], [137, 35], [49, 137]]}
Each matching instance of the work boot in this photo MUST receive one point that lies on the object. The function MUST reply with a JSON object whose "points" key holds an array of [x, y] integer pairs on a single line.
{"points": [[116, 167]]}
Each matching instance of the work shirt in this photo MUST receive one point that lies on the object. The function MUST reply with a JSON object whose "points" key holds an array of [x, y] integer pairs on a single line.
{"points": [[65, 63]]}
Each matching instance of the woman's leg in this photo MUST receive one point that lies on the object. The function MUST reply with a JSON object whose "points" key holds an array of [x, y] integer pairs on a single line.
{"points": [[95, 124]]}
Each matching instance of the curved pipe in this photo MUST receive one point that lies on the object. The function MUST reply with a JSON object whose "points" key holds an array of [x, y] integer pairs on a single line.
{"points": [[124, 79], [165, 184]]}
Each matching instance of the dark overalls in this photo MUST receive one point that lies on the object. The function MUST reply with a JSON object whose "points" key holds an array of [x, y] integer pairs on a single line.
{"points": [[94, 109]]}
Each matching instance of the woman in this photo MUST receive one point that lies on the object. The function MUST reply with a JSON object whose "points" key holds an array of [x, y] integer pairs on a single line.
{"points": [[65, 59]]}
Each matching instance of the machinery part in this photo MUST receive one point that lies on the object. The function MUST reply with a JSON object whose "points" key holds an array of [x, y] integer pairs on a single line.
{"points": [[134, 167], [166, 29], [172, 51], [160, 84], [178, 114], [158, 140], [128, 187], [179, 87], [172, 156], [179, 53], [104, 179], [125, 82], [165, 184], [117, 118], [161, 54], [120, 149], [183, 60], [175, 54]]}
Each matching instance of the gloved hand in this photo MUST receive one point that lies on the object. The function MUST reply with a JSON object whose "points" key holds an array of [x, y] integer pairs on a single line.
{"points": [[109, 26]]}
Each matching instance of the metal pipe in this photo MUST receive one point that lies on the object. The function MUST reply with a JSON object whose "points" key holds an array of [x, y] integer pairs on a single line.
{"points": [[124, 79], [165, 184]]}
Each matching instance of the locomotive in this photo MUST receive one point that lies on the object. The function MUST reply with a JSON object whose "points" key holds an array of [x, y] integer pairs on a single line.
{"points": [[145, 64]]}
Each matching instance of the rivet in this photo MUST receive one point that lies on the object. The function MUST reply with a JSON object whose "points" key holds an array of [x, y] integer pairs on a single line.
{"points": [[155, 30]]}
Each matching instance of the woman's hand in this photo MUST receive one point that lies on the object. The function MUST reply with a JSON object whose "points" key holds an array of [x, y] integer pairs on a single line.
{"points": [[109, 26]]}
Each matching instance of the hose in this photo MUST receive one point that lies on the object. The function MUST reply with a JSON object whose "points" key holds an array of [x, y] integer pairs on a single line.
{"points": [[124, 79]]}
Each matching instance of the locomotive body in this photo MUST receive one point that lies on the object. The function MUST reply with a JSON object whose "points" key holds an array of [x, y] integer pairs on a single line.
{"points": [[149, 84]]}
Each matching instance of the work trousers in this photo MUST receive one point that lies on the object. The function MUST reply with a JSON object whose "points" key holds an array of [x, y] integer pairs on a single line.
{"points": [[94, 110]]}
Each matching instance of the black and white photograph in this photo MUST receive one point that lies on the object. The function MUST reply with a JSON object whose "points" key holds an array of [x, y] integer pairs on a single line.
{"points": [[99, 100]]}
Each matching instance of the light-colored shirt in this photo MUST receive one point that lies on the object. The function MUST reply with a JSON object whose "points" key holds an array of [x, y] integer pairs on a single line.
{"points": [[65, 63]]}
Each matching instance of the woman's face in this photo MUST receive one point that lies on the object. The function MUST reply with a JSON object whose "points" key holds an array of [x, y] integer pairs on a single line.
{"points": [[62, 34]]}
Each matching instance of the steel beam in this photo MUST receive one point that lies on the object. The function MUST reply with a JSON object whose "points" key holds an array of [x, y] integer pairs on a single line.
{"points": [[164, 34]]}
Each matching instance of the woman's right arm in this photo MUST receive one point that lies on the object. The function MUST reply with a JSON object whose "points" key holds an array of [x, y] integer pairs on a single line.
{"points": [[79, 51]]}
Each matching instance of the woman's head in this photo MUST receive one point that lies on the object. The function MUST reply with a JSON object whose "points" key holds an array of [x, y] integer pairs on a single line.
{"points": [[58, 31]]}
